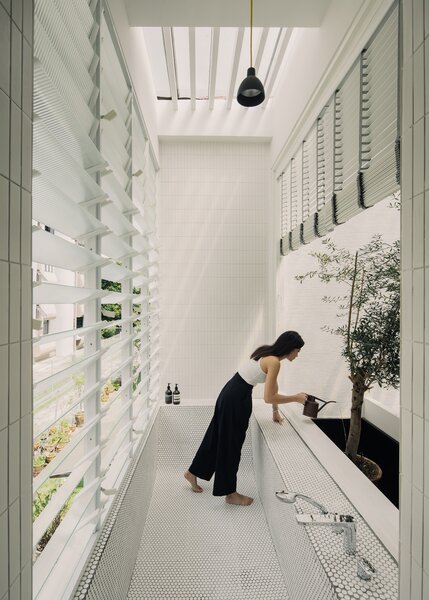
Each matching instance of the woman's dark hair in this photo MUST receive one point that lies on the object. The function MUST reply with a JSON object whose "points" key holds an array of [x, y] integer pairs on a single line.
{"points": [[284, 344]]}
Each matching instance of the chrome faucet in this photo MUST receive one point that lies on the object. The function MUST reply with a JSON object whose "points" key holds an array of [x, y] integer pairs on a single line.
{"points": [[365, 569], [340, 523], [290, 497]]}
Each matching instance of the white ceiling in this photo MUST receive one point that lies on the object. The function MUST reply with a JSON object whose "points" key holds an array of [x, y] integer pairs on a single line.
{"points": [[226, 13], [199, 49]]}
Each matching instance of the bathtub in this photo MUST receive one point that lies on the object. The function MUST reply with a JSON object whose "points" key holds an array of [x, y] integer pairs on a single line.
{"points": [[162, 541]]}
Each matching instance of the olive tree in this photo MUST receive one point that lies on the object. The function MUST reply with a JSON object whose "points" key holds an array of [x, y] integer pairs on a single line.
{"points": [[368, 316]]}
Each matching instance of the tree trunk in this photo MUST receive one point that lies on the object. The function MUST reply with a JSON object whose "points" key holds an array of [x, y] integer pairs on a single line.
{"points": [[355, 417]]}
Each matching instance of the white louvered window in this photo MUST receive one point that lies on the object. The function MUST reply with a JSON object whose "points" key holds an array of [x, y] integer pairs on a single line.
{"points": [[379, 113], [321, 166], [286, 206], [96, 313], [350, 159], [305, 181], [347, 132], [309, 183], [325, 157], [324, 220], [296, 199]]}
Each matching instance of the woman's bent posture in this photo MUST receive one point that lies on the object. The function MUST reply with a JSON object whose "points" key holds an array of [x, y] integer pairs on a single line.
{"points": [[220, 450]]}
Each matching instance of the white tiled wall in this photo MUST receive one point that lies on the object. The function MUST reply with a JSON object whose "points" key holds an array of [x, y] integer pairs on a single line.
{"points": [[414, 499], [16, 33], [212, 226], [320, 368]]}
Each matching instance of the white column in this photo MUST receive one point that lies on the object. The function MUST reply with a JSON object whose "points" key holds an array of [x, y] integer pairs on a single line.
{"points": [[16, 51], [414, 468]]}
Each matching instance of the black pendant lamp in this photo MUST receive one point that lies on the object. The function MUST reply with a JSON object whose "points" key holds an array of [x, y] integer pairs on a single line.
{"points": [[251, 91]]}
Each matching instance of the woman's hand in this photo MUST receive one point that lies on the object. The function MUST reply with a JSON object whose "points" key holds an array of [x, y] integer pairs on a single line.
{"points": [[301, 397], [277, 416]]}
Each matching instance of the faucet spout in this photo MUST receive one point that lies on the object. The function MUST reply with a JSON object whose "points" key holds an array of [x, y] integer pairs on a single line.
{"points": [[340, 524], [290, 497]]}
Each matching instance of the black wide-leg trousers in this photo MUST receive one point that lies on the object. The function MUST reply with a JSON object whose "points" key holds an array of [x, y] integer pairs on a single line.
{"points": [[220, 450]]}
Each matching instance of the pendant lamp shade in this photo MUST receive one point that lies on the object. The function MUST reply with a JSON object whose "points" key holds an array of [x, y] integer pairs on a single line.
{"points": [[251, 91]]}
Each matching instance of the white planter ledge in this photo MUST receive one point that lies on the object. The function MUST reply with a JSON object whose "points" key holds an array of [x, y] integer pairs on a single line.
{"points": [[379, 513], [383, 416]]}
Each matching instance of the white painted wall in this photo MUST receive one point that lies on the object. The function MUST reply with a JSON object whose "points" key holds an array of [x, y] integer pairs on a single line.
{"points": [[212, 230], [320, 368], [203, 122]]}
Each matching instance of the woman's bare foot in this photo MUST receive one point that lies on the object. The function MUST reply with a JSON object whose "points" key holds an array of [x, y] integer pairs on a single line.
{"points": [[193, 481], [238, 499]]}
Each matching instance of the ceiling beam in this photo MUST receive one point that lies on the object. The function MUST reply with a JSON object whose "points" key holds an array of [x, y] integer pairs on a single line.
{"points": [[213, 65], [167, 35], [225, 13], [192, 65], [237, 54], [261, 48], [278, 62]]}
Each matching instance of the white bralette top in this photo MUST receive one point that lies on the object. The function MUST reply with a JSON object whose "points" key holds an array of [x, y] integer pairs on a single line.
{"points": [[251, 372]]}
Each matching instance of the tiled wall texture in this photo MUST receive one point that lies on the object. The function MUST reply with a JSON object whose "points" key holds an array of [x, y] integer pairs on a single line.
{"points": [[414, 499], [212, 227], [16, 32]]}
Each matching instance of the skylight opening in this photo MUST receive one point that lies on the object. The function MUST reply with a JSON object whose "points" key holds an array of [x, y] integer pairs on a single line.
{"points": [[268, 44]]}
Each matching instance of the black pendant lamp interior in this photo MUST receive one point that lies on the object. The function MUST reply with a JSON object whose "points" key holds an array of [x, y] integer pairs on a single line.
{"points": [[251, 91]]}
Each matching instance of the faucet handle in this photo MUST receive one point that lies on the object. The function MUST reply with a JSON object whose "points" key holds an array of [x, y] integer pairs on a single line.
{"points": [[290, 497], [285, 496]]}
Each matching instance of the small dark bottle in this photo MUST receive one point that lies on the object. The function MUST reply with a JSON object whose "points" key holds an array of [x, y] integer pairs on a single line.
{"points": [[168, 395], [176, 395]]}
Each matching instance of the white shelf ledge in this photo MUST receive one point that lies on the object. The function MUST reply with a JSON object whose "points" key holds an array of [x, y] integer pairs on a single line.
{"points": [[380, 514]]}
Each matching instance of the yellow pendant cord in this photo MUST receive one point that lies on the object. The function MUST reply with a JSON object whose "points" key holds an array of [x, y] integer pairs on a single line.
{"points": [[251, 22]]}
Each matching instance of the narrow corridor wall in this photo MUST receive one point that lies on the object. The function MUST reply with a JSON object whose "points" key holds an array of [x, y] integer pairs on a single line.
{"points": [[414, 461], [16, 446], [212, 228]]}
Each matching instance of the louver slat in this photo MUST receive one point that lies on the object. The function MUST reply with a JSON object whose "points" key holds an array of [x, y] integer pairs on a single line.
{"points": [[52, 206], [58, 167], [51, 293], [61, 122], [50, 249], [58, 74]]}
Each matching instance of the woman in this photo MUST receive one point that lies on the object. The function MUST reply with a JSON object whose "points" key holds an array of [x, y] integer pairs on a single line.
{"points": [[220, 450]]}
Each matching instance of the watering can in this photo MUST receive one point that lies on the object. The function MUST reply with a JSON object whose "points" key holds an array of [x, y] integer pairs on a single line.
{"points": [[311, 407]]}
